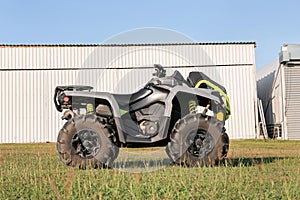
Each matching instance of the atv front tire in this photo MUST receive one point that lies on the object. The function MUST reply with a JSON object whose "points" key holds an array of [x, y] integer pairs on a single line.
{"points": [[197, 140], [85, 142]]}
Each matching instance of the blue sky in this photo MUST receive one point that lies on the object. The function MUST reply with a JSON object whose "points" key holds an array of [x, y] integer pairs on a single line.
{"points": [[269, 23]]}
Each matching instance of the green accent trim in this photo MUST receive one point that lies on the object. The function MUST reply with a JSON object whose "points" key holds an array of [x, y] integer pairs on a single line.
{"points": [[123, 112], [220, 91]]}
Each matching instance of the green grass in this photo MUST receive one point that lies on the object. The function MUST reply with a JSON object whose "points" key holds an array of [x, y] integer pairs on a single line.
{"points": [[254, 170]]}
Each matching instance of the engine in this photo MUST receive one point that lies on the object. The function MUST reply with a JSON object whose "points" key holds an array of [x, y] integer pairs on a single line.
{"points": [[149, 118]]}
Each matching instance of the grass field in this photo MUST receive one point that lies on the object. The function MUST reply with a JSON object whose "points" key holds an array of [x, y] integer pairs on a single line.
{"points": [[254, 169]]}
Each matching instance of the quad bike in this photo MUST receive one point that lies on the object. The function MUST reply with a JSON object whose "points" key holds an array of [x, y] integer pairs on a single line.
{"points": [[186, 115]]}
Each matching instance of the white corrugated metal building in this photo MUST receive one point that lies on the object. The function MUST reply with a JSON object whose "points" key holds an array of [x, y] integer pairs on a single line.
{"points": [[30, 73], [279, 88]]}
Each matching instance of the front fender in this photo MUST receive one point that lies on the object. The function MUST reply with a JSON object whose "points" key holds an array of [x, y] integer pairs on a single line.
{"points": [[206, 93]]}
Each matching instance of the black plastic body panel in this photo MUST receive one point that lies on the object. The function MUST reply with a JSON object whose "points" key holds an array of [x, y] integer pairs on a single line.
{"points": [[127, 99]]}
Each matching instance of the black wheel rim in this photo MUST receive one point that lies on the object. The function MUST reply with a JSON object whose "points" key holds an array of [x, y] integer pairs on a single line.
{"points": [[86, 143], [202, 144]]}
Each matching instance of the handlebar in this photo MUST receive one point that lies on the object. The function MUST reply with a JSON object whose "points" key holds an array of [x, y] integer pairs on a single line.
{"points": [[160, 71]]}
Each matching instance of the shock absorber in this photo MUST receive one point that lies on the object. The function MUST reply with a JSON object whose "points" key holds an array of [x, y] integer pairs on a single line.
{"points": [[192, 106]]}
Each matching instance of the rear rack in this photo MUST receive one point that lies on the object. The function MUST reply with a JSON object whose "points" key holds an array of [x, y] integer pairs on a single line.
{"points": [[60, 89]]}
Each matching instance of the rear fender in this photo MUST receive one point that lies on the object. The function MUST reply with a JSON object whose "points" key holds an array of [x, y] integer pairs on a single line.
{"points": [[97, 96], [60, 90], [104, 97]]}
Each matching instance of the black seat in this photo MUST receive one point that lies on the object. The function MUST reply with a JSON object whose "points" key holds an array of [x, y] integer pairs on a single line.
{"points": [[195, 77], [124, 100]]}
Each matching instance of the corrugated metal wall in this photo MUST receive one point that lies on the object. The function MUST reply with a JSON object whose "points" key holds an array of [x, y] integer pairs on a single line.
{"points": [[292, 96], [70, 57], [29, 76]]}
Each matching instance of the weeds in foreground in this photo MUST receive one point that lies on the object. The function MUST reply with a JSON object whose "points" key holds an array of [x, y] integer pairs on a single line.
{"points": [[253, 170]]}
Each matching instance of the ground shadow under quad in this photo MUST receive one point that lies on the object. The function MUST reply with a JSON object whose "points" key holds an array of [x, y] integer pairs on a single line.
{"points": [[150, 165]]}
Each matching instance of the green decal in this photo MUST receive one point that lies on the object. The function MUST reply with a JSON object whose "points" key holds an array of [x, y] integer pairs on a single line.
{"points": [[89, 108], [123, 112]]}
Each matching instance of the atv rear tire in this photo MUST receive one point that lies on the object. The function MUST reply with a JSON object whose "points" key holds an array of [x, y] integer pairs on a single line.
{"points": [[197, 141], [84, 142]]}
